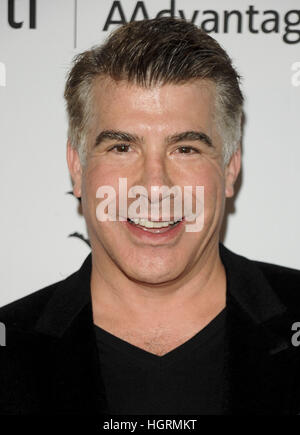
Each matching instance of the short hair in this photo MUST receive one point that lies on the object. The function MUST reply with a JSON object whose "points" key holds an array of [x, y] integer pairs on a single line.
{"points": [[156, 52]]}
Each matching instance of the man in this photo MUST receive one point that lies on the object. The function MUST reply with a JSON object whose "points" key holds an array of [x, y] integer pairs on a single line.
{"points": [[161, 318]]}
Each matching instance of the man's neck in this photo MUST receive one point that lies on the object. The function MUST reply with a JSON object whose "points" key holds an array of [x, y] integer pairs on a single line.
{"points": [[199, 297]]}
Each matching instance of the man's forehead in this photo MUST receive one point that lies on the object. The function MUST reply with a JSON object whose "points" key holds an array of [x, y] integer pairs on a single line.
{"points": [[125, 106], [105, 84]]}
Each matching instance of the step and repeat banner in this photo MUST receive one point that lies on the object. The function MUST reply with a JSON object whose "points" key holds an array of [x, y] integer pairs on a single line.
{"points": [[43, 235]]}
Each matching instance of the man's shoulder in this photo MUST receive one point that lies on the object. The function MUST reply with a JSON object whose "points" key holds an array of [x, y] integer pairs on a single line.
{"points": [[26, 310], [23, 313], [284, 281], [264, 280], [277, 271]]}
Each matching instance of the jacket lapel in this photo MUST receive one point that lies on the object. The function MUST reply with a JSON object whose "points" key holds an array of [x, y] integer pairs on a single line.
{"points": [[74, 384], [258, 353]]}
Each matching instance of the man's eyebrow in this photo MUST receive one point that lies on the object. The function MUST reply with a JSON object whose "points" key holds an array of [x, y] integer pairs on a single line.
{"points": [[132, 138], [117, 135], [190, 136]]}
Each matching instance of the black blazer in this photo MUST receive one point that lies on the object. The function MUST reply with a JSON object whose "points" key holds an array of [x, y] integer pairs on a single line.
{"points": [[50, 364]]}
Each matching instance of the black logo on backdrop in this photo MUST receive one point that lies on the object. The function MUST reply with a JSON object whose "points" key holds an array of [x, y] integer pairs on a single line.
{"points": [[76, 234], [18, 24], [250, 20]]}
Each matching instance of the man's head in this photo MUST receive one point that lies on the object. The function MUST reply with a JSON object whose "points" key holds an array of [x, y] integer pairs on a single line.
{"points": [[150, 52], [159, 105]]}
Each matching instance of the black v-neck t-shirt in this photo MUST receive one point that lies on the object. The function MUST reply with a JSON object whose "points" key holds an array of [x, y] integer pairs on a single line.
{"points": [[187, 380]]}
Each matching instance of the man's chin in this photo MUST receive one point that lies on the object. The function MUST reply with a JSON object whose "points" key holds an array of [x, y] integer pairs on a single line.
{"points": [[158, 276], [151, 281]]}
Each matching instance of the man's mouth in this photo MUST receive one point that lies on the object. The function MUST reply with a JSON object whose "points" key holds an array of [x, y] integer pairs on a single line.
{"points": [[154, 226]]}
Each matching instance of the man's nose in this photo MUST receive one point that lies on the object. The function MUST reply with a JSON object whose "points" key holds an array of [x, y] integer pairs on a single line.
{"points": [[156, 173]]}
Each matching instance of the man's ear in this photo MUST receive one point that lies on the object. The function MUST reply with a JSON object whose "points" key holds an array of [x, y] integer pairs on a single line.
{"points": [[231, 173], [75, 169]]}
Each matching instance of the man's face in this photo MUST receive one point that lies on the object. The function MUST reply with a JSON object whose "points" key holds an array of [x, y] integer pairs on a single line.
{"points": [[153, 150]]}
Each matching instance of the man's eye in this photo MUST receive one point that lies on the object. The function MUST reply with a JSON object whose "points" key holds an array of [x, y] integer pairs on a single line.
{"points": [[187, 150], [120, 148]]}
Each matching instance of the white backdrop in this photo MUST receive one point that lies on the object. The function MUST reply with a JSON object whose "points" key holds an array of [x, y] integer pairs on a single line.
{"points": [[38, 40]]}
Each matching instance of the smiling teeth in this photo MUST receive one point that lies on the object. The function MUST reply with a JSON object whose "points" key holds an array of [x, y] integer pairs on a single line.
{"points": [[151, 224]]}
